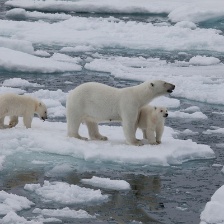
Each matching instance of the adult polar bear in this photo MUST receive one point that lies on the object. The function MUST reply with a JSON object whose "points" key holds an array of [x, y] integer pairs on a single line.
{"points": [[93, 103]]}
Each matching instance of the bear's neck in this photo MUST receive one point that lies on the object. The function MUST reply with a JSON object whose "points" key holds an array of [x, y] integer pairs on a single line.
{"points": [[144, 93]]}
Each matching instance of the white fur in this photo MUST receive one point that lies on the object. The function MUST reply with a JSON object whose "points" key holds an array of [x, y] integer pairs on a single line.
{"points": [[92, 103], [20, 106], [151, 121]]}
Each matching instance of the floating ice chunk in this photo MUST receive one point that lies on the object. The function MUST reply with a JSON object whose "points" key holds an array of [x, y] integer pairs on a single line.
{"points": [[18, 82], [42, 53], [198, 11], [107, 183], [79, 48], [65, 212], [189, 132], [59, 170], [213, 211], [13, 218], [192, 109], [216, 131], [13, 202], [38, 162], [17, 61], [195, 115], [204, 60], [4, 89], [186, 24], [21, 14], [50, 137], [17, 45], [65, 193], [65, 58], [220, 145], [99, 6]]}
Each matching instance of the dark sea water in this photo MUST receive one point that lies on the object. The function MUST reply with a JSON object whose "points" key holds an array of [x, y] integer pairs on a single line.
{"points": [[169, 195]]}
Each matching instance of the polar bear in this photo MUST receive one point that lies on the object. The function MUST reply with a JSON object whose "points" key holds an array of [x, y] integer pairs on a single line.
{"points": [[14, 105], [151, 121], [93, 103]]}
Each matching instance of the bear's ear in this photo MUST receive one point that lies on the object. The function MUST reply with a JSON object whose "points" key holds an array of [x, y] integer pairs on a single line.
{"points": [[152, 84]]}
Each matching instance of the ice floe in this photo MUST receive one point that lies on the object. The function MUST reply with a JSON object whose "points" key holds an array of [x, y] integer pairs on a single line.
{"points": [[64, 193], [107, 183], [18, 82], [213, 211], [204, 60]]}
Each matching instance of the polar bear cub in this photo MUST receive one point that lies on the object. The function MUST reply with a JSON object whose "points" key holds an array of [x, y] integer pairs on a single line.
{"points": [[15, 106], [92, 103], [151, 122]]}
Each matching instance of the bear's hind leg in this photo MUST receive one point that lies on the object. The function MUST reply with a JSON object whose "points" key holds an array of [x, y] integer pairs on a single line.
{"points": [[73, 128], [13, 121], [2, 125], [94, 131]]}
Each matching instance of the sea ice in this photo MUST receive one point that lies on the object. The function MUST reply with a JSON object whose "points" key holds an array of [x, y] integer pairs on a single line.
{"points": [[195, 115], [64, 212], [65, 193], [13, 202], [204, 60], [107, 183], [18, 61], [213, 211], [18, 82]]}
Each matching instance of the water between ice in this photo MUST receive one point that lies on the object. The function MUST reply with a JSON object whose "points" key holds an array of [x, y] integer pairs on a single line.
{"points": [[166, 194]]}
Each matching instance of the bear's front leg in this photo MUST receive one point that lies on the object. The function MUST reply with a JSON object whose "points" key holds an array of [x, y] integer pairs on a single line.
{"points": [[27, 121], [129, 128], [151, 136], [159, 133]]}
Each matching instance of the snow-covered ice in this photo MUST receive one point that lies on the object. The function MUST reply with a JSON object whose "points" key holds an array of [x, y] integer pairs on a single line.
{"points": [[64, 193], [213, 211], [18, 82], [64, 212], [11, 202], [107, 183], [195, 115]]}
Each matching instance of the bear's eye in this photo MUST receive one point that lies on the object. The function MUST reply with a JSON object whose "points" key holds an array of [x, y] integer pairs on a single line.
{"points": [[152, 84], [161, 111]]}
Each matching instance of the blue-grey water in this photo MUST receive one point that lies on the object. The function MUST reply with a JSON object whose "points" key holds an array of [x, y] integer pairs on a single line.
{"points": [[169, 195]]}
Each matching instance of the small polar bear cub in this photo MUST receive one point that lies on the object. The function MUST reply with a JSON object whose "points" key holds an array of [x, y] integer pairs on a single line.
{"points": [[15, 106], [151, 122]]}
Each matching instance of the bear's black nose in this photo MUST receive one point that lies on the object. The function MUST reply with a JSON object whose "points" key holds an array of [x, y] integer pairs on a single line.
{"points": [[166, 115]]}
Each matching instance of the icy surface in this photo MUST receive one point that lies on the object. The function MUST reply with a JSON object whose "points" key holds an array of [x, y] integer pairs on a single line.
{"points": [[213, 211], [18, 82], [107, 183], [12, 202], [203, 60], [18, 61], [64, 193], [64, 212]]}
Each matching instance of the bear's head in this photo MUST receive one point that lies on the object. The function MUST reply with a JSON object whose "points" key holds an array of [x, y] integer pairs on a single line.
{"points": [[160, 87], [162, 111], [41, 110]]}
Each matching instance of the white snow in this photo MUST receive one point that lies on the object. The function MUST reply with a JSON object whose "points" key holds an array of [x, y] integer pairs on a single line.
{"points": [[195, 115], [18, 13], [80, 48], [215, 131], [4, 89], [18, 82], [50, 137], [18, 61], [64, 193], [213, 211], [13, 202], [13, 218], [107, 183], [203, 60], [64, 212], [189, 132]]}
